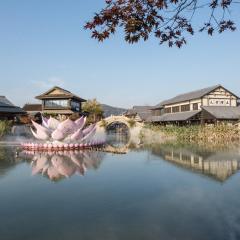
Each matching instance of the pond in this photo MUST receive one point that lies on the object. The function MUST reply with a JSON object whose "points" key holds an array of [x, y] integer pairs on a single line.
{"points": [[166, 191]]}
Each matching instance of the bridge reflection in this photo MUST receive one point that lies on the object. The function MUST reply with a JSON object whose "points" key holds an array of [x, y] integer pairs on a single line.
{"points": [[60, 165], [218, 165]]}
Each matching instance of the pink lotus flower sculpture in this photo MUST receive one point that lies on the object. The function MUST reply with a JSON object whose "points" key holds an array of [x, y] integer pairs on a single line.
{"points": [[67, 134]]}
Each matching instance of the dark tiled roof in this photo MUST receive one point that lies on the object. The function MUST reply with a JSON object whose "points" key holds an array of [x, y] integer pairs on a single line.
{"points": [[171, 117], [144, 112], [144, 115], [7, 107], [187, 96], [5, 102], [227, 113], [66, 94], [160, 105], [32, 107], [130, 112], [142, 108], [11, 110]]}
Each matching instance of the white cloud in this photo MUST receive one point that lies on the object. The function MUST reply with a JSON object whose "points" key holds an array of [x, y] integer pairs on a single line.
{"points": [[49, 83]]}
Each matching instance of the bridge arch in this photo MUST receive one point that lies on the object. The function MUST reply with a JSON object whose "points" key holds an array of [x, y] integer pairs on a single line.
{"points": [[117, 119], [133, 127]]}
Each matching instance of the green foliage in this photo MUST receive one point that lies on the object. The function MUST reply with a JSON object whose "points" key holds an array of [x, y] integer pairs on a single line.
{"points": [[103, 123], [47, 115], [131, 123], [5, 127], [94, 108]]}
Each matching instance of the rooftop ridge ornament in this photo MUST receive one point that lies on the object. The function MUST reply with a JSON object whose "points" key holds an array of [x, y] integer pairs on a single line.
{"points": [[67, 135]]}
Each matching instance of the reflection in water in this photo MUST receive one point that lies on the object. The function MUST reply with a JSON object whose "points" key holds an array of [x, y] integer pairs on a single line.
{"points": [[58, 165], [117, 135], [218, 165], [7, 159], [125, 199], [117, 140]]}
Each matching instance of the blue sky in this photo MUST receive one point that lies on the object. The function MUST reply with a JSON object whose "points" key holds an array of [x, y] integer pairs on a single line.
{"points": [[43, 44]]}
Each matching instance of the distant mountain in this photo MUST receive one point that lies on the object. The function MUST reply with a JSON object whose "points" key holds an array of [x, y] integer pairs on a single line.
{"points": [[109, 110]]}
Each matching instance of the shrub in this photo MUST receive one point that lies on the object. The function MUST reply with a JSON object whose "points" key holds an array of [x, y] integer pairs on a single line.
{"points": [[103, 123], [131, 123], [5, 127]]}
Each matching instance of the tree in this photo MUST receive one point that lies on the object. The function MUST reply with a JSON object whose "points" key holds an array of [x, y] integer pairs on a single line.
{"points": [[170, 21], [94, 108]]}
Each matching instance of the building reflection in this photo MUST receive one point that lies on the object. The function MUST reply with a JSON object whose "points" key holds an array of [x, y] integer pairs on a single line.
{"points": [[60, 165], [218, 165]]}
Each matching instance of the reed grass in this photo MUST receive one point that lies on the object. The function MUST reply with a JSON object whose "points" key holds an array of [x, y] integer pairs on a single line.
{"points": [[197, 133]]}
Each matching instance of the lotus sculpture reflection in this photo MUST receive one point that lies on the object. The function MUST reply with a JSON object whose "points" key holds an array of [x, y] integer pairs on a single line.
{"points": [[67, 134], [63, 164]]}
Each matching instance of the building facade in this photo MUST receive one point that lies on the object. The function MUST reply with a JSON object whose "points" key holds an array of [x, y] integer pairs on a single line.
{"points": [[60, 102], [207, 105]]}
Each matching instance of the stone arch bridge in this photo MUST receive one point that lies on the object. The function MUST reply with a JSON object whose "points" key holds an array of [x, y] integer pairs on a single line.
{"points": [[134, 129]]}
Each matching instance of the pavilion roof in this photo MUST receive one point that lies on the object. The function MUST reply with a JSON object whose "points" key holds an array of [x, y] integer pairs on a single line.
{"points": [[60, 94]]}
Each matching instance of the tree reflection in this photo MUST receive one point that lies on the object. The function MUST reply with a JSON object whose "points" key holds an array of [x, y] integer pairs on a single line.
{"points": [[7, 159]]}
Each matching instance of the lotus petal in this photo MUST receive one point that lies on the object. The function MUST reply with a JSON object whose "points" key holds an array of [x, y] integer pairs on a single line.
{"points": [[39, 164], [45, 168], [58, 135], [53, 123], [88, 129], [77, 135], [63, 166], [81, 170], [89, 135], [75, 160], [40, 128], [80, 122], [53, 173], [67, 127], [41, 135], [45, 122]]}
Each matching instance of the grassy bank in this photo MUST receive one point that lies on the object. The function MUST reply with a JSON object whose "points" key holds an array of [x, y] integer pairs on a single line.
{"points": [[5, 127], [216, 133]]}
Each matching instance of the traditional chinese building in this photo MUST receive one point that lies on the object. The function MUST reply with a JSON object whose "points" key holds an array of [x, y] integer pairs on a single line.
{"points": [[60, 102], [208, 105], [8, 111], [139, 113], [32, 109]]}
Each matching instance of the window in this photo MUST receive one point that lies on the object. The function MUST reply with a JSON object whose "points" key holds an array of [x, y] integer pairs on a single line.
{"points": [[196, 160], [168, 110], [186, 158], [176, 109], [195, 106], [185, 108], [75, 106], [56, 103]]}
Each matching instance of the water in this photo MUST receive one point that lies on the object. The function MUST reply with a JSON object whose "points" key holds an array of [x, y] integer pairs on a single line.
{"points": [[160, 192]]}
